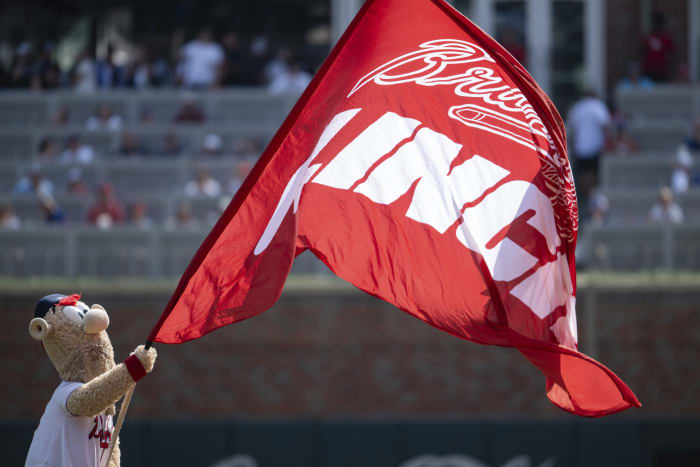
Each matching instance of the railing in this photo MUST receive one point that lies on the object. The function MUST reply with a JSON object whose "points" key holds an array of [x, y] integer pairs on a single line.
{"points": [[157, 253], [120, 252]]}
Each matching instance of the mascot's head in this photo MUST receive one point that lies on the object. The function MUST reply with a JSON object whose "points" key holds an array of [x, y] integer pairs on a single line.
{"points": [[74, 336]]}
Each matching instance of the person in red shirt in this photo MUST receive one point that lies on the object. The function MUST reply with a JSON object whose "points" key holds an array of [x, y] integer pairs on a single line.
{"points": [[107, 209], [657, 50]]}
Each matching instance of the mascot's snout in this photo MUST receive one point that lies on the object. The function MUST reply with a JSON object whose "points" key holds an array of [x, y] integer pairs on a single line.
{"points": [[96, 320]]}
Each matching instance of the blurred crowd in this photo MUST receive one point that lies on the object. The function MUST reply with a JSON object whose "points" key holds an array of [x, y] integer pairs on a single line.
{"points": [[206, 61], [106, 209], [595, 133], [598, 129]]}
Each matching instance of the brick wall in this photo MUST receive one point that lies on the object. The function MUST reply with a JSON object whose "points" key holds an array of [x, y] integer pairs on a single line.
{"points": [[350, 354]]}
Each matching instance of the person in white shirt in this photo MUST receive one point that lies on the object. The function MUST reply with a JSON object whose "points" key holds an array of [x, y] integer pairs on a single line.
{"points": [[104, 119], [202, 61], [77, 153], [588, 123], [85, 77], [665, 210], [292, 81], [202, 186], [680, 178]]}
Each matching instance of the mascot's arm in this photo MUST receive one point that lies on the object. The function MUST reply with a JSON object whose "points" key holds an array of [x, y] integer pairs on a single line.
{"points": [[96, 395]]}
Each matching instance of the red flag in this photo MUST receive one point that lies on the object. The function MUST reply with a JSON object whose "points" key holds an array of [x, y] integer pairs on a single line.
{"points": [[426, 167]]}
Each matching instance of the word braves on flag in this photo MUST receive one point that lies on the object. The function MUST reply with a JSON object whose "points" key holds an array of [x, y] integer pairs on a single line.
{"points": [[425, 166]]}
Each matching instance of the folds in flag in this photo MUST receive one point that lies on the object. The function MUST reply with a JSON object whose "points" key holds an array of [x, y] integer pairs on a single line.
{"points": [[425, 166]]}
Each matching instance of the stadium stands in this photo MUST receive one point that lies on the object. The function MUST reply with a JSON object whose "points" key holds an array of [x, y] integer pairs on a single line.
{"points": [[244, 119]]}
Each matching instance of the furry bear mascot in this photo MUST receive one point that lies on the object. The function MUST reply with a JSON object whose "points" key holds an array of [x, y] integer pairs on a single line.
{"points": [[76, 428]]}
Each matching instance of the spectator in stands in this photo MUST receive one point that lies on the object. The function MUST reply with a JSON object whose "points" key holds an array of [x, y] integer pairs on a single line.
{"points": [[234, 183], [201, 62], [34, 183], [84, 74], [658, 50], [682, 170], [48, 149], [693, 142], [76, 152], [104, 119], [278, 65], [234, 60], [160, 73], [21, 67], [588, 123], [212, 144], [107, 209], [8, 218], [666, 210], [242, 170], [61, 117], [203, 185], [45, 71], [76, 185], [139, 216], [190, 112], [258, 57], [634, 79], [293, 81], [131, 145], [594, 214], [247, 146], [108, 73], [183, 220], [598, 208], [140, 70], [172, 145], [51, 211]]}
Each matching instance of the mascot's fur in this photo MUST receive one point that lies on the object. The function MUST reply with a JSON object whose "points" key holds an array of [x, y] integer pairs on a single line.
{"points": [[75, 340]]}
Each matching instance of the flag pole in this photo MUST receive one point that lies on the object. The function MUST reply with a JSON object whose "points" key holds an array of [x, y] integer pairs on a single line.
{"points": [[122, 413], [120, 421]]}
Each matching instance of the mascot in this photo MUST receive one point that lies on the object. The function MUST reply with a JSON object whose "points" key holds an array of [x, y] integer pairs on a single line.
{"points": [[76, 428]]}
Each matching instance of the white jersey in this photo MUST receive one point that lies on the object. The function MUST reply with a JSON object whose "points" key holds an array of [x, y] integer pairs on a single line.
{"points": [[200, 61], [63, 439], [587, 120]]}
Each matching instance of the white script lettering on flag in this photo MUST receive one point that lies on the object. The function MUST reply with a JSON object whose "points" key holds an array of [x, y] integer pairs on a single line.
{"points": [[438, 201], [441, 63]]}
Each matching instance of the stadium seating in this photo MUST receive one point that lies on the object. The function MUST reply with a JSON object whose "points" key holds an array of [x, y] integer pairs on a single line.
{"points": [[679, 103], [659, 119]]}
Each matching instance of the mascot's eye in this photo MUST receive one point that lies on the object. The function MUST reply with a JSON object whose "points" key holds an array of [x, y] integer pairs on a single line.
{"points": [[74, 314]]}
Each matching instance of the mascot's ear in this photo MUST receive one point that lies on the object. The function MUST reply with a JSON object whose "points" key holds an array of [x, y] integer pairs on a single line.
{"points": [[99, 307], [39, 328]]}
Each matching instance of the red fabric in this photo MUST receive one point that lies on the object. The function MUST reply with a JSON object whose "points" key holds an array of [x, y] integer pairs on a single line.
{"points": [[136, 370], [70, 300], [426, 167]]}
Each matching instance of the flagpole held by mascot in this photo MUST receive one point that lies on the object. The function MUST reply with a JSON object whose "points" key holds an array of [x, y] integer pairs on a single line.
{"points": [[76, 427]]}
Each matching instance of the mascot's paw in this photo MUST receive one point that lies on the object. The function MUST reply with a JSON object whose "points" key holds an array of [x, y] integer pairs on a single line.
{"points": [[146, 357]]}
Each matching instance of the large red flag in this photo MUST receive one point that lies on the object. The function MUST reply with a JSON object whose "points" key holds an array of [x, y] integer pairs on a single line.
{"points": [[425, 166]]}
